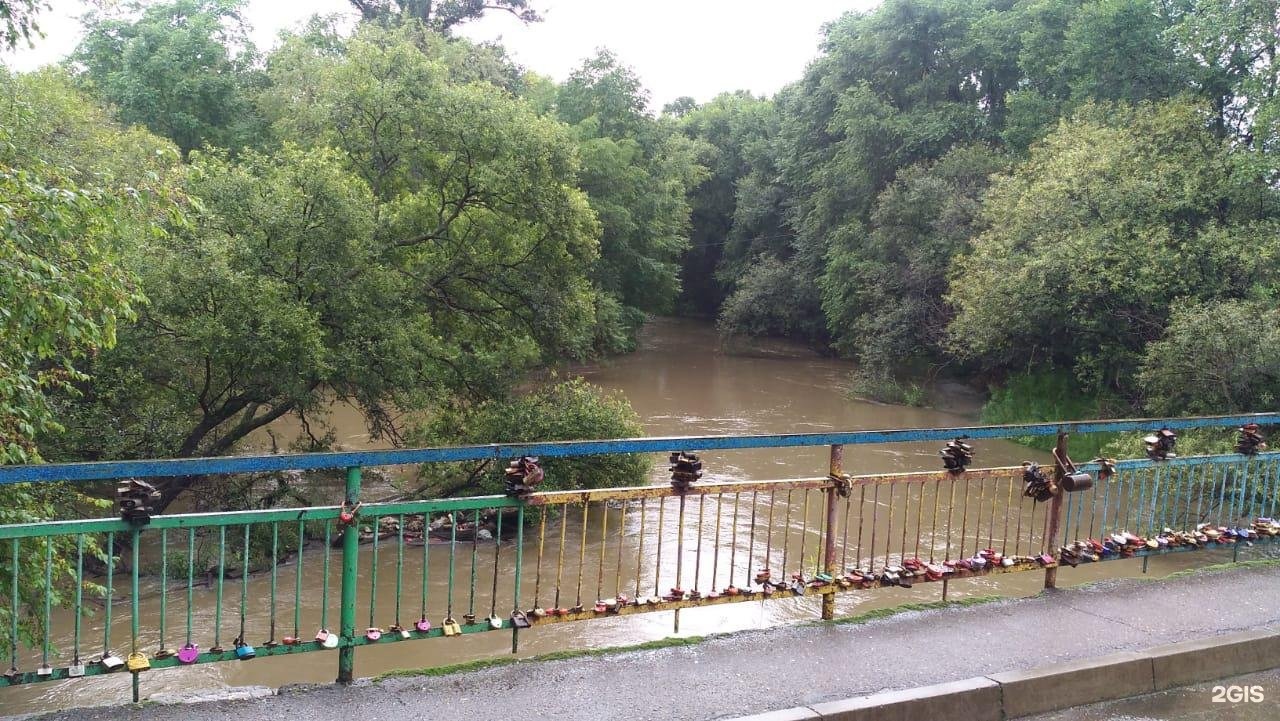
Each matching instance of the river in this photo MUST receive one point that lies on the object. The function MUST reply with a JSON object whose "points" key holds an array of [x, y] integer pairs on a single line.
{"points": [[680, 382]]}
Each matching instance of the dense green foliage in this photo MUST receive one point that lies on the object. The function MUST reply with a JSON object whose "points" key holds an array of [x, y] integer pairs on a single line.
{"points": [[571, 410], [992, 185]]}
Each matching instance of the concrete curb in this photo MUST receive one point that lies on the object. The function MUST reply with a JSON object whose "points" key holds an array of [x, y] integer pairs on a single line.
{"points": [[1015, 694]]}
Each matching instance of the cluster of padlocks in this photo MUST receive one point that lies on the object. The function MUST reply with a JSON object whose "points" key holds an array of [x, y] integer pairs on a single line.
{"points": [[1125, 544]]}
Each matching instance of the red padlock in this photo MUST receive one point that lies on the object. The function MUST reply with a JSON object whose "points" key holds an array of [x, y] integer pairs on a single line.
{"points": [[348, 515]]}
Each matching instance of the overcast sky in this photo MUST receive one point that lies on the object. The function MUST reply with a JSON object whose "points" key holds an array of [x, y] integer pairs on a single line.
{"points": [[678, 47]]}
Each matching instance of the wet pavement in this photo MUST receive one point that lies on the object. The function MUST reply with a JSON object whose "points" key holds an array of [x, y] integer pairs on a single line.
{"points": [[1255, 697], [758, 671]]}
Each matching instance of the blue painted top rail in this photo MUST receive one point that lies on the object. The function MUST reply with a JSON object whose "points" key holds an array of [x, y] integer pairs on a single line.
{"points": [[106, 470]]}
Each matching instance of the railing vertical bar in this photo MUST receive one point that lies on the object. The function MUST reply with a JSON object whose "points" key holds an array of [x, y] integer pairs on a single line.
{"points": [[677, 593], [373, 571], [657, 563], [733, 541], [324, 577], [135, 547], [350, 577], [470, 616], [804, 529], [111, 568], [622, 536], [844, 534], [426, 569], [48, 602], [888, 534], [715, 556], [453, 555], [977, 518], [786, 535], [751, 540], [79, 602], [297, 588], [697, 556], [275, 563], [768, 533], [964, 519], [222, 572], [951, 507], [244, 585], [906, 519], [497, 560], [582, 554], [519, 574], [14, 611], [1008, 508], [933, 524], [604, 544], [400, 566], [164, 588], [639, 547], [871, 551], [542, 539], [191, 566]]}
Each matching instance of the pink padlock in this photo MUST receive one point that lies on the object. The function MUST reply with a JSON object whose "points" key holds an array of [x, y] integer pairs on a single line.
{"points": [[188, 654], [373, 634], [422, 625]]}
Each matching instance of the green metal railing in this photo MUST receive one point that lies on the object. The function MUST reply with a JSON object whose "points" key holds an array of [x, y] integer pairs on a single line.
{"points": [[585, 554]]}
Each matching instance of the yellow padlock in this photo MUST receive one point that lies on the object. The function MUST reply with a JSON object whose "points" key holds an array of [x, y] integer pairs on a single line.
{"points": [[137, 662]]}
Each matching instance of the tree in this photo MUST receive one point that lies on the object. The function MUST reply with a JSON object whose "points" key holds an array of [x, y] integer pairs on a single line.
{"points": [[431, 258], [185, 69], [1215, 357], [1114, 217], [442, 15], [567, 411], [883, 287], [735, 130], [637, 172], [20, 21]]}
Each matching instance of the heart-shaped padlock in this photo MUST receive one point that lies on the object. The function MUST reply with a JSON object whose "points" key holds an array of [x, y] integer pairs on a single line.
{"points": [[422, 625], [188, 654], [373, 634]]}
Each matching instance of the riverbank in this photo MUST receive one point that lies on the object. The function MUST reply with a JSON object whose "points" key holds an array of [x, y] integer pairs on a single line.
{"points": [[759, 671]]}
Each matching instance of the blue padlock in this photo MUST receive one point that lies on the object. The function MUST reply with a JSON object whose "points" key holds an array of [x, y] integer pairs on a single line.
{"points": [[244, 651]]}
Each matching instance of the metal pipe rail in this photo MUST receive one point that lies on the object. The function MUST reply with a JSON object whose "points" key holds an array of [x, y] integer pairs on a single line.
{"points": [[467, 564]]}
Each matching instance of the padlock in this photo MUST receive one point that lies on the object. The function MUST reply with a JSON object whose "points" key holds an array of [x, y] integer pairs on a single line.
{"points": [[450, 627], [373, 633], [12, 674], [330, 640], [111, 662], [422, 625], [1073, 482], [244, 651], [322, 635], [138, 661], [44, 670], [519, 619], [291, 640], [470, 618], [404, 632], [76, 669], [165, 653], [494, 622], [347, 516], [188, 654]]}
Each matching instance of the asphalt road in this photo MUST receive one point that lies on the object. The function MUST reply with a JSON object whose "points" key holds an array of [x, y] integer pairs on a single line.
{"points": [[780, 668]]}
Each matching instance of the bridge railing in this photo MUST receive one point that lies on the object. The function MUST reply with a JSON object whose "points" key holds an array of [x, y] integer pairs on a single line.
{"points": [[239, 585]]}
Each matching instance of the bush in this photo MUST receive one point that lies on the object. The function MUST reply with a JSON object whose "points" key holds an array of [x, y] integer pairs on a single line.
{"points": [[571, 410], [1052, 395]]}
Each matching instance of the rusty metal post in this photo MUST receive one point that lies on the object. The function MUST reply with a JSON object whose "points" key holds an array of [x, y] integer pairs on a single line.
{"points": [[1055, 509], [836, 470]]}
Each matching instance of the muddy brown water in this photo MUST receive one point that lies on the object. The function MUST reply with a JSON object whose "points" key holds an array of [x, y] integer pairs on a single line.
{"points": [[681, 382]]}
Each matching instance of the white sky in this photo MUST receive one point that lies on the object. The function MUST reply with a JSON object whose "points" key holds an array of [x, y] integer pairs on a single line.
{"points": [[678, 47]]}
